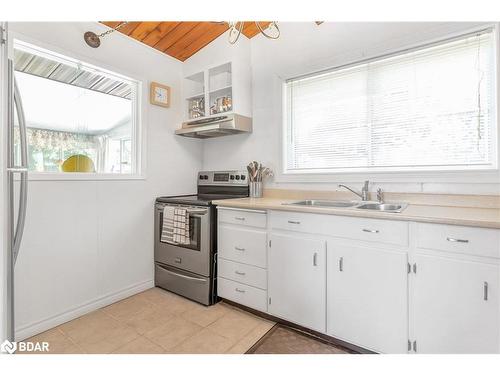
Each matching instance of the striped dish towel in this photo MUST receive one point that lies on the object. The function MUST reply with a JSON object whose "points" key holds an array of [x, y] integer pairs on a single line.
{"points": [[175, 227]]}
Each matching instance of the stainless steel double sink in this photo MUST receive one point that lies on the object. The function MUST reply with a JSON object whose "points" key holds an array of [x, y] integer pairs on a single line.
{"points": [[358, 205]]}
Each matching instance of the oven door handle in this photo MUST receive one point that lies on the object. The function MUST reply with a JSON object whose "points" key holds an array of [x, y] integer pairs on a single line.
{"points": [[182, 276]]}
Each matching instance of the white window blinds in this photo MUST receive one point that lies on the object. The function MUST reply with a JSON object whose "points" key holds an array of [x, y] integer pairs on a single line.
{"points": [[431, 108]]}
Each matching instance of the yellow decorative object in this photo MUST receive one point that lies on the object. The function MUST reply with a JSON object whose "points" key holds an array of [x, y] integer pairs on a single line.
{"points": [[78, 163]]}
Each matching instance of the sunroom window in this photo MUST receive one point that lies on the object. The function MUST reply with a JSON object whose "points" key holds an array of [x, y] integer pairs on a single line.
{"points": [[79, 118]]}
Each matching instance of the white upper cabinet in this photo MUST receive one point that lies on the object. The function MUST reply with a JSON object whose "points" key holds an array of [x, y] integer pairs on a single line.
{"points": [[297, 280], [368, 297], [218, 83], [456, 306]]}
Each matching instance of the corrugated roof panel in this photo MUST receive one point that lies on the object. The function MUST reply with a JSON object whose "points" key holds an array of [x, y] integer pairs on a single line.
{"points": [[87, 80], [122, 90], [106, 85], [56, 71], [64, 73], [41, 67], [22, 59]]}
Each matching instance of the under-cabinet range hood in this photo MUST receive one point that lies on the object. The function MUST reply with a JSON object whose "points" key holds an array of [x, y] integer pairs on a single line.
{"points": [[216, 126]]}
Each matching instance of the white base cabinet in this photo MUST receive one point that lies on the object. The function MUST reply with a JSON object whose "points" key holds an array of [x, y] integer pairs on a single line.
{"points": [[297, 280], [368, 296], [384, 285], [456, 307]]}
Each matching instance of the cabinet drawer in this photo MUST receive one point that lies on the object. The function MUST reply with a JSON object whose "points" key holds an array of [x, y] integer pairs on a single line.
{"points": [[464, 240], [243, 245], [243, 294], [384, 231], [243, 273], [242, 217]]}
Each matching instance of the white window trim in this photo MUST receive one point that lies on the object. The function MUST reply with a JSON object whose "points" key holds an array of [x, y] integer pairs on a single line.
{"points": [[138, 114], [489, 174]]}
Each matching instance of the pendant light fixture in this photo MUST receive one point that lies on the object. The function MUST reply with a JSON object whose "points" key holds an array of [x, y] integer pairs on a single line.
{"points": [[272, 31]]}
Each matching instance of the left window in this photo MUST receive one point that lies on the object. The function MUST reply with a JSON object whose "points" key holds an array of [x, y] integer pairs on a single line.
{"points": [[79, 118]]}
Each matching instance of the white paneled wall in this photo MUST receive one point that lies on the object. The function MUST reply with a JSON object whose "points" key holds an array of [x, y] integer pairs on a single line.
{"points": [[304, 47], [89, 243]]}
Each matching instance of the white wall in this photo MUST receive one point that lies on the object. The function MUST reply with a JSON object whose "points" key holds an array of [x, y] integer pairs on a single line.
{"points": [[302, 48], [88, 243]]}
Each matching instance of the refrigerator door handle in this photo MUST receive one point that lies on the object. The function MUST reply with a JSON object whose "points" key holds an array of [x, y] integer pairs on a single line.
{"points": [[23, 168]]}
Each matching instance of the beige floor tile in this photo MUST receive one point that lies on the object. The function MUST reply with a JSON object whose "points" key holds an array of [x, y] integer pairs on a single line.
{"points": [[109, 341], [97, 332], [91, 324], [204, 342], [123, 309], [148, 319], [172, 303], [205, 315], [251, 338], [140, 345], [235, 324], [58, 343], [173, 332]]}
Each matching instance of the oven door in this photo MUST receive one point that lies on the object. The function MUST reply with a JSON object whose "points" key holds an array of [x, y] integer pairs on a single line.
{"points": [[196, 256]]}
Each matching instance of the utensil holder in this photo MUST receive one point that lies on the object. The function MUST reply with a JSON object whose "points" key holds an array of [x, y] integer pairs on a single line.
{"points": [[256, 189]]}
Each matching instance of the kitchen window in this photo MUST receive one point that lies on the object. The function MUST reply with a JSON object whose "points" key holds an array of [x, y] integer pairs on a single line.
{"points": [[431, 108], [80, 118]]}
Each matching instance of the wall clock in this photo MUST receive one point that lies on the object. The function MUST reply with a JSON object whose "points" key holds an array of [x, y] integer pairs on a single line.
{"points": [[159, 94]]}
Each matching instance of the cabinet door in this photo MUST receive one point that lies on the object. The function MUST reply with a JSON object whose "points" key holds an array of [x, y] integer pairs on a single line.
{"points": [[297, 280], [368, 297], [455, 306]]}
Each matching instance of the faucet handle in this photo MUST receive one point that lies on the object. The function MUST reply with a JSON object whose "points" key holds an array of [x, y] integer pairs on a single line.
{"points": [[380, 195]]}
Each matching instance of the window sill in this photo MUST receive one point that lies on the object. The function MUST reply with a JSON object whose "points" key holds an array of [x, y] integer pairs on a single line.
{"points": [[74, 176]]}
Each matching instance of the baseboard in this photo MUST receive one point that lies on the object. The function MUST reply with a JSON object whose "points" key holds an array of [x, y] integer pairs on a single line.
{"points": [[53, 321]]}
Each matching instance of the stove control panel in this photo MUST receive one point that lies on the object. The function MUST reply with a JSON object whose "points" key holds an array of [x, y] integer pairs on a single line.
{"points": [[233, 177]]}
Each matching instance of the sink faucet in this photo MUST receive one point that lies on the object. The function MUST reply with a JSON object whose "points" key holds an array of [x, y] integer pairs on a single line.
{"points": [[364, 192]]}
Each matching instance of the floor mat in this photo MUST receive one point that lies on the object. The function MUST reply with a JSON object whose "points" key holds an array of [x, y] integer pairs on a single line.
{"points": [[284, 340]]}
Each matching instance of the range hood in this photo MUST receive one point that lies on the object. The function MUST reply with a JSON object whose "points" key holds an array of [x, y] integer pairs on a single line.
{"points": [[216, 126]]}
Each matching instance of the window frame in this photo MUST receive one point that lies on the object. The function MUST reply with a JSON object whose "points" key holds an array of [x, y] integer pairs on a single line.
{"points": [[484, 173], [137, 114]]}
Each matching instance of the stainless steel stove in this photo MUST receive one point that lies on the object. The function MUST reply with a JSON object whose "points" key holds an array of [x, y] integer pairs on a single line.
{"points": [[189, 269]]}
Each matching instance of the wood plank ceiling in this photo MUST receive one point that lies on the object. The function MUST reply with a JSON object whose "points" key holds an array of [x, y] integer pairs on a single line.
{"points": [[179, 39]]}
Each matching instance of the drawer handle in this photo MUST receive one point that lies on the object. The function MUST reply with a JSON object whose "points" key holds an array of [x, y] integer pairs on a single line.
{"points": [[240, 273], [239, 290], [239, 248], [456, 240], [239, 218], [485, 291], [370, 230], [315, 259], [341, 264], [293, 222]]}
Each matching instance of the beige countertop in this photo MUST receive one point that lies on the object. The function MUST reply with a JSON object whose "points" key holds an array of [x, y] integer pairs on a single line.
{"points": [[469, 216]]}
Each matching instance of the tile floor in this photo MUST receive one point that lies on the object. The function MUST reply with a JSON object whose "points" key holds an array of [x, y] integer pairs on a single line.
{"points": [[156, 321]]}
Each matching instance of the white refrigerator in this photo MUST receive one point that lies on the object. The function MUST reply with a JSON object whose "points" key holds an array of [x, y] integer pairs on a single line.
{"points": [[14, 183]]}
